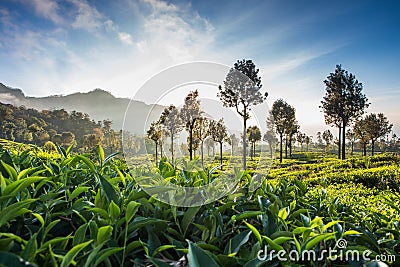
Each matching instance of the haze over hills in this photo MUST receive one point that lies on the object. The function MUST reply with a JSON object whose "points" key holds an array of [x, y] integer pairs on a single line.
{"points": [[99, 104]]}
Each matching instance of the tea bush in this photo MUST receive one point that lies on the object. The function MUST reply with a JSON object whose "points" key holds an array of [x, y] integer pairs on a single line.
{"points": [[66, 209]]}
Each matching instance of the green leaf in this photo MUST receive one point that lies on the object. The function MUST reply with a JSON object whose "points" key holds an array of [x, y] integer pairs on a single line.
{"points": [[30, 249], [104, 233], [39, 217], [255, 232], [79, 190], [198, 257], [121, 176], [101, 212], [272, 244], [101, 153], [53, 241], [114, 211], [300, 185], [282, 239], [245, 215], [105, 253], [17, 186], [236, 242], [109, 190], [351, 232], [71, 254], [80, 234], [12, 173], [328, 225], [24, 173], [315, 241], [14, 210], [88, 163], [131, 210], [162, 248], [283, 213], [188, 217]]}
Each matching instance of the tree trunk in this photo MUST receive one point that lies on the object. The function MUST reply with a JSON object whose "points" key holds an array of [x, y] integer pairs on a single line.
{"points": [[161, 150], [280, 151], [352, 148], [286, 145], [344, 141], [365, 149], [340, 142], [244, 139], [270, 150], [220, 151], [172, 147], [156, 153], [290, 148], [202, 154], [191, 144], [373, 147]]}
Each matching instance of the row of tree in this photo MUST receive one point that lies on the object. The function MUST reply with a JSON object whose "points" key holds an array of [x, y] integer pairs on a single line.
{"points": [[191, 118], [343, 105]]}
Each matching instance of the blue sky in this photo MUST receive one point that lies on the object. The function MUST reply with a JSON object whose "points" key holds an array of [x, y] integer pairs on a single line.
{"points": [[59, 47]]}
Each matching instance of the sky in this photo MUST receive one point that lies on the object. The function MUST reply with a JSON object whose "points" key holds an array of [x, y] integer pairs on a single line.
{"points": [[60, 47]]}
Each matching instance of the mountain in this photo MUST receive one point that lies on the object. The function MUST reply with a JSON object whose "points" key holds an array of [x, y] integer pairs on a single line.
{"points": [[99, 104]]}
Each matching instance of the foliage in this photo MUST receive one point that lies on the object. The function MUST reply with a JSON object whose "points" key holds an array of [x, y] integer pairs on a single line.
{"points": [[343, 102], [87, 210], [241, 91]]}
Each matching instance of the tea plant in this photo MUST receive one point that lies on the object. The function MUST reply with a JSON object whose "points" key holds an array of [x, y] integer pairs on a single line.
{"points": [[65, 209]]}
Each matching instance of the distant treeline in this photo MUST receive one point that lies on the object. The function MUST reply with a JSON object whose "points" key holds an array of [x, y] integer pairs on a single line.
{"points": [[64, 128]]}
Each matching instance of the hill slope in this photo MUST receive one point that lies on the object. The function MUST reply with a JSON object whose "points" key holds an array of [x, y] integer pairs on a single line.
{"points": [[99, 104]]}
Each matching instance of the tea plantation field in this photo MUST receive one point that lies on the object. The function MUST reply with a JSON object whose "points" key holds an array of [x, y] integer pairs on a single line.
{"points": [[67, 209]]}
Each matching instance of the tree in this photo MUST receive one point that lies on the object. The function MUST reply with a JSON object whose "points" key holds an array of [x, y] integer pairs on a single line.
{"points": [[209, 142], [270, 138], [233, 141], [241, 91], [155, 134], [328, 137], [91, 141], [172, 122], [291, 129], [301, 138], [68, 138], [190, 112], [320, 142], [283, 117], [201, 132], [350, 135], [8, 129], [361, 134], [219, 134], [253, 135], [308, 140], [343, 102], [376, 126]]}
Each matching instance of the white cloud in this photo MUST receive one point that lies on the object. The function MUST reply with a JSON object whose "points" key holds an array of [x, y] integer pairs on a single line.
{"points": [[161, 6], [47, 9], [87, 17], [125, 38]]}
